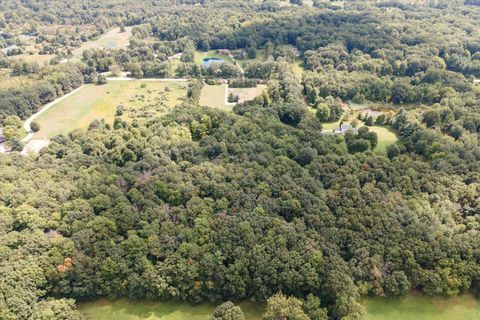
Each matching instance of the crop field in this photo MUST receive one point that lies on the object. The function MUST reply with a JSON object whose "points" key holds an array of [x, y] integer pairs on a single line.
{"points": [[139, 99], [153, 310]]}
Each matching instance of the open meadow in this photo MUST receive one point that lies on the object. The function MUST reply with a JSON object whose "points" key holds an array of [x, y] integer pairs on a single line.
{"points": [[419, 307], [247, 94], [411, 307], [41, 59], [7, 81], [214, 96], [124, 309], [112, 39], [146, 99]]}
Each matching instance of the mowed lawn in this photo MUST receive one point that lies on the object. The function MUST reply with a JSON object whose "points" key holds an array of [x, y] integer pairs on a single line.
{"points": [[214, 97], [247, 94], [100, 102], [418, 307], [386, 136], [124, 309]]}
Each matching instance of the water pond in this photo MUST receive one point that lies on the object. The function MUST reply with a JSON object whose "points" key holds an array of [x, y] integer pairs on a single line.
{"points": [[207, 62]]}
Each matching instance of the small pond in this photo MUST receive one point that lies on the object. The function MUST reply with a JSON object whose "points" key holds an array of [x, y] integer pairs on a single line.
{"points": [[207, 62]]}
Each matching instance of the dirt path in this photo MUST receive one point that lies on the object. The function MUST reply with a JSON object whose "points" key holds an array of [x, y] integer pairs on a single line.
{"points": [[124, 78], [236, 63], [28, 122]]}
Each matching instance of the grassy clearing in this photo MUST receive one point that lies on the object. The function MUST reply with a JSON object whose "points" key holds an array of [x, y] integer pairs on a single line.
{"points": [[297, 67], [418, 307], [411, 307], [41, 59], [140, 99], [386, 136], [153, 310], [247, 94], [111, 40], [329, 126], [261, 57], [7, 81], [200, 55], [214, 97]]}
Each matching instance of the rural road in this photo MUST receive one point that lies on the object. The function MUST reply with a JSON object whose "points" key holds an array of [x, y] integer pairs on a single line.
{"points": [[146, 79], [236, 63]]}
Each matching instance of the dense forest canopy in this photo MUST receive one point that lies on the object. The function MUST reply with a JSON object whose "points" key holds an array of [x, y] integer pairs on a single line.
{"points": [[256, 204]]}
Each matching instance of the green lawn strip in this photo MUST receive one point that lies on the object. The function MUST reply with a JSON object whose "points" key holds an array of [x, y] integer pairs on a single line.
{"points": [[419, 307], [125, 309]]}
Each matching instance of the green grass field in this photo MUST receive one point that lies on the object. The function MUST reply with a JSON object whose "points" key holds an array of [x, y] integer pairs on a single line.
{"points": [[214, 97], [297, 67], [411, 307], [124, 309], [261, 57], [386, 136], [112, 39], [100, 102], [418, 307]]}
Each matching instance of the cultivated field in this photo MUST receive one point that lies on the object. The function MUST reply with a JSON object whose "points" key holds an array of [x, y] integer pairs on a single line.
{"points": [[153, 310], [139, 99]]}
